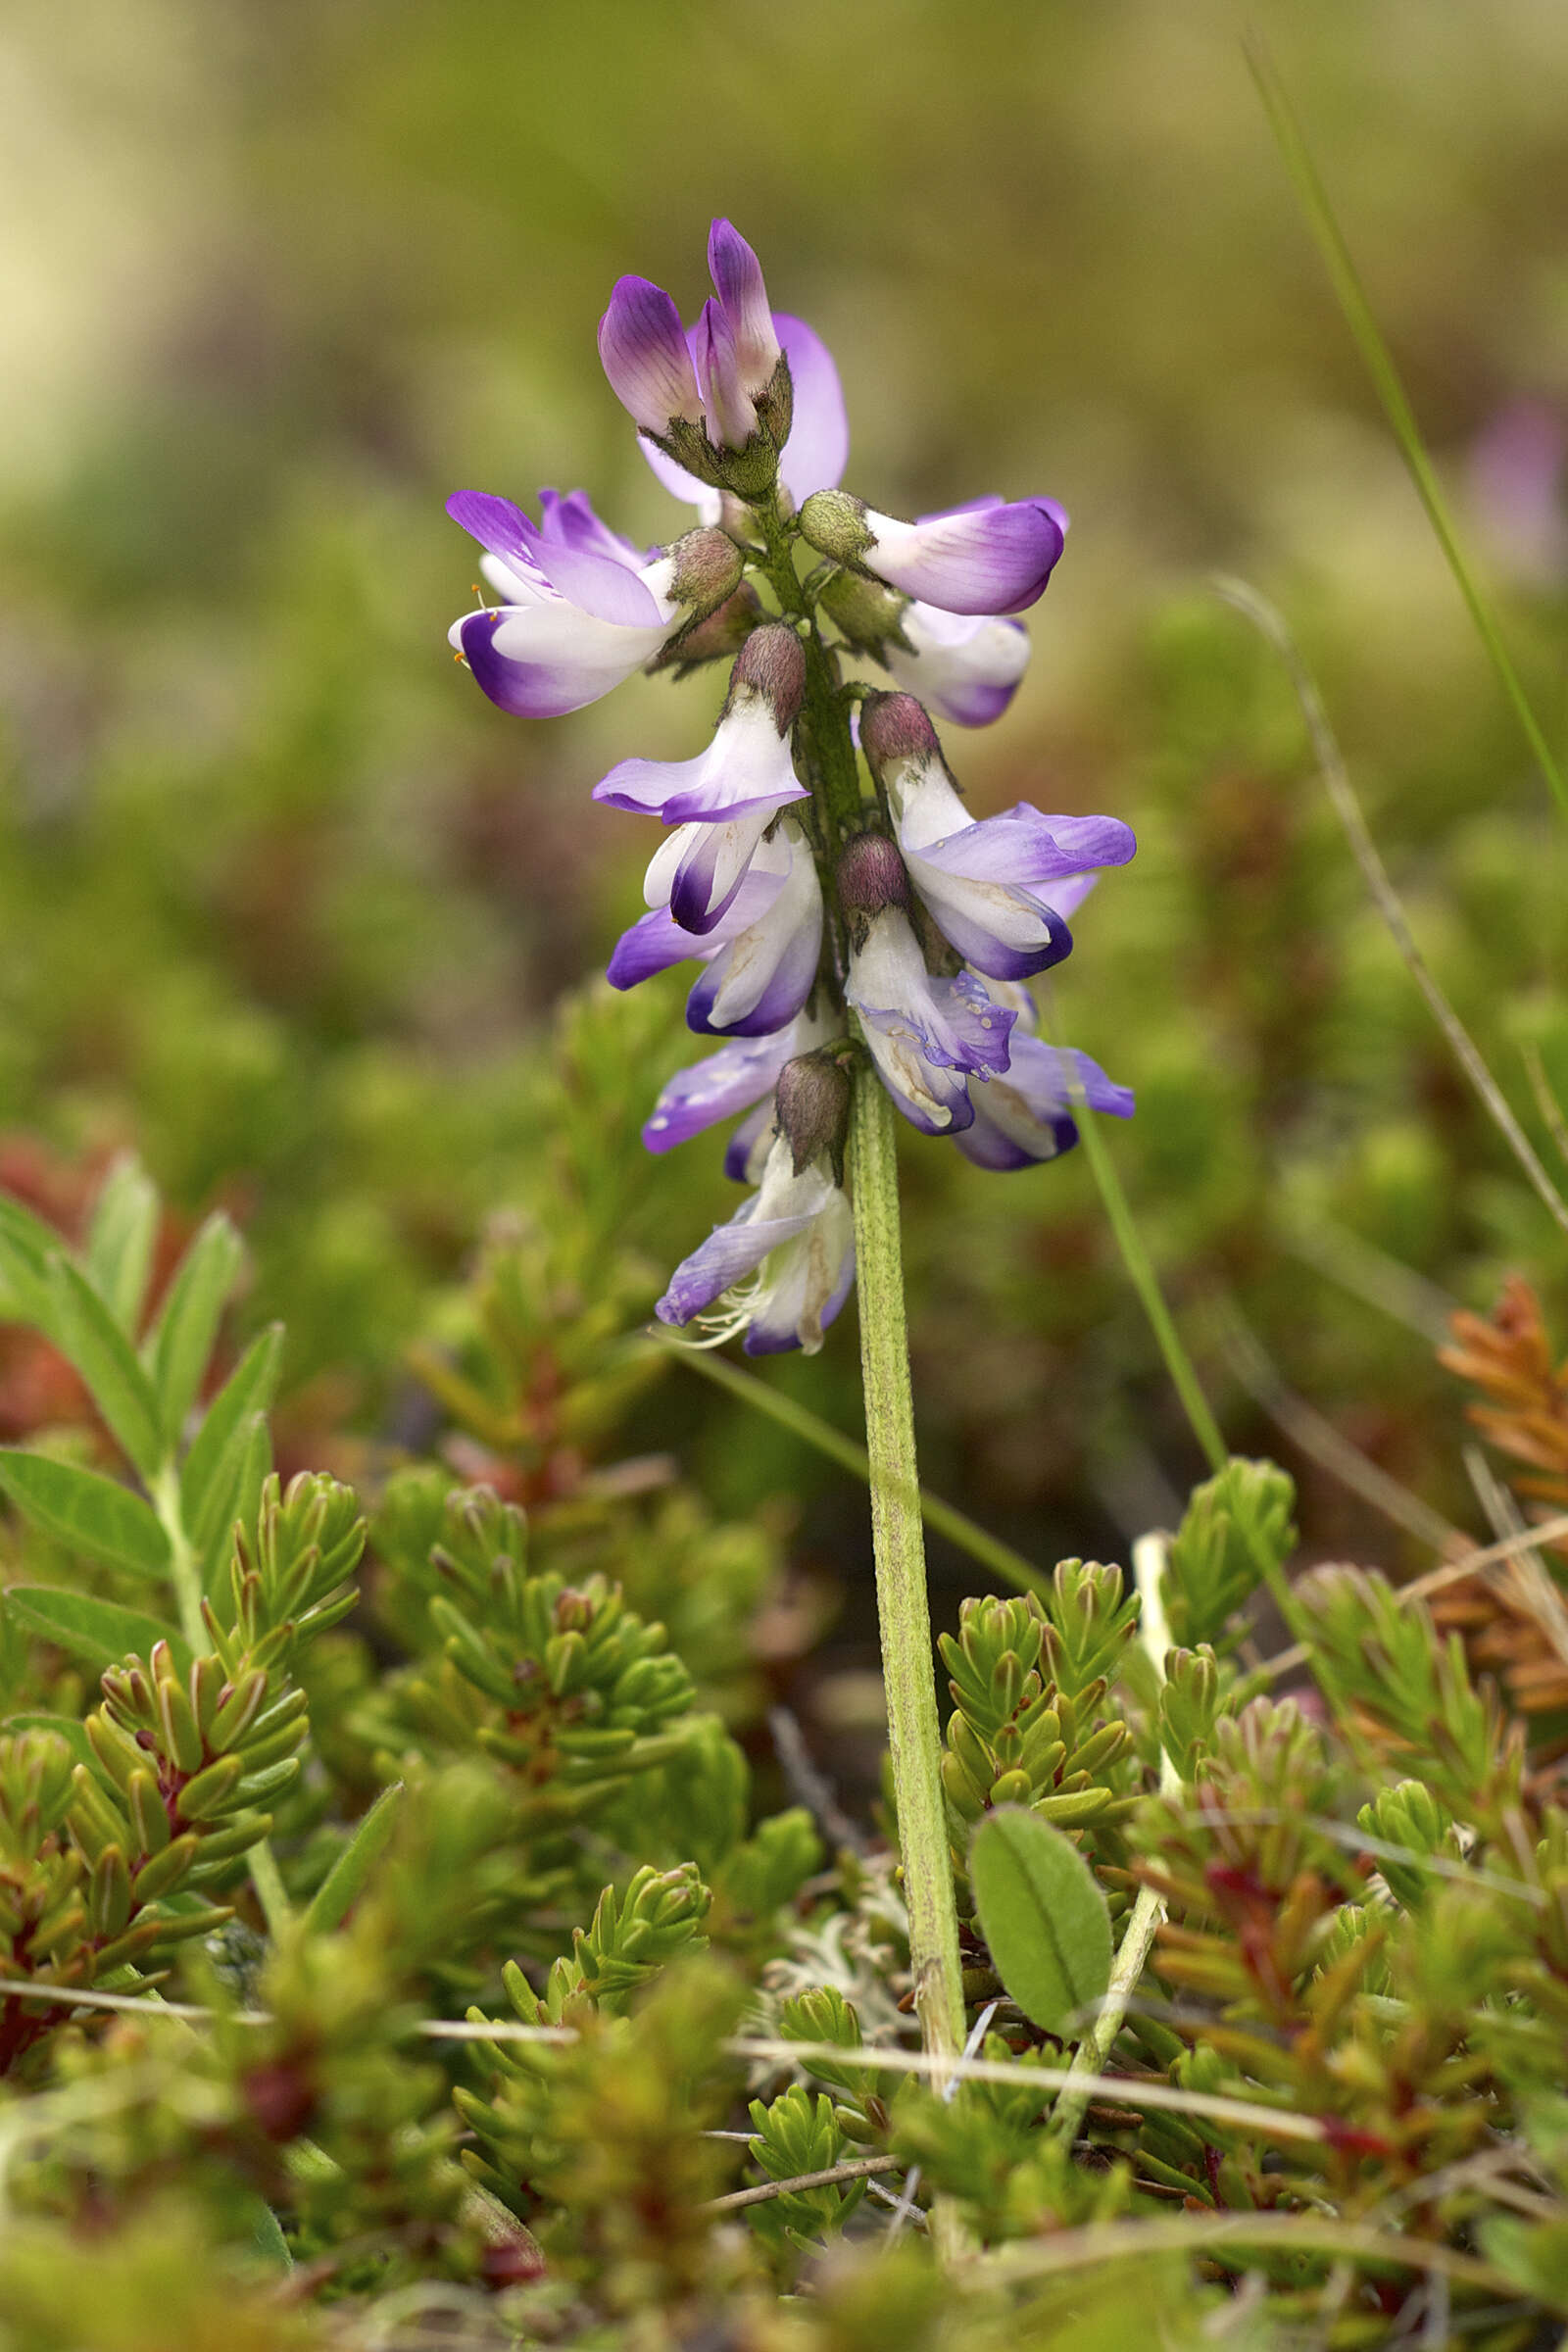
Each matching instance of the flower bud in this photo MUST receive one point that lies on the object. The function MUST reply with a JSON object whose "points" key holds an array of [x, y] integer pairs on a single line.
{"points": [[813, 1102], [894, 728], [772, 664], [707, 569], [872, 875], [869, 613], [835, 524], [717, 638], [642, 349]]}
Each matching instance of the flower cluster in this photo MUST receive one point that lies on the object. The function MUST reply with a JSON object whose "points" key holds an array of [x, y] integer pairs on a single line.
{"points": [[833, 915]]}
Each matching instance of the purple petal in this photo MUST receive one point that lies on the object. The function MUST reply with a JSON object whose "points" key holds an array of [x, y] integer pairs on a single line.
{"points": [[819, 447], [501, 527], [981, 559], [657, 941], [737, 276], [1020, 847], [727, 1082], [731, 416], [569, 517], [644, 353], [1026, 1116], [745, 1140], [775, 1327], [542, 661], [964, 923]]}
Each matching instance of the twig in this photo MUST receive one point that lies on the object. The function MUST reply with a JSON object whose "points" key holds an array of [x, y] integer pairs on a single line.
{"points": [[1278, 2122], [1337, 782], [855, 2169], [812, 1787]]}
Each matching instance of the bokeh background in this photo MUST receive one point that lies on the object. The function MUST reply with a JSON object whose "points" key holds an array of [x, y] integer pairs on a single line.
{"points": [[286, 907]]}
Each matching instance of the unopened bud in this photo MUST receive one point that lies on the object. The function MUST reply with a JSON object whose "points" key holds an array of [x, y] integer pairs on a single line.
{"points": [[707, 570], [894, 727], [872, 875], [835, 524], [575, 1612], [717, 638], [869, 613], [813, 1102], [772, 663]]}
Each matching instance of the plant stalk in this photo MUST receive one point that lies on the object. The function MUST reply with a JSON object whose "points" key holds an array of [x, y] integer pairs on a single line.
{"points": [[899, 1544]]}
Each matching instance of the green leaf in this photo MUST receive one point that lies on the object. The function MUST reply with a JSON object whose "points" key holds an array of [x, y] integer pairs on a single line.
{"points": [[88, 1513], [88, 1332], [210, 1481], [182, 1341], [98, 1632], [119, 1240], [26, 1245], [1044, 1917], [345, 1881]]}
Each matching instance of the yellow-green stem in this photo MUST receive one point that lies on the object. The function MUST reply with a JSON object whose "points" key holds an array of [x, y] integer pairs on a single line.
{"points": [[898, 1541]]}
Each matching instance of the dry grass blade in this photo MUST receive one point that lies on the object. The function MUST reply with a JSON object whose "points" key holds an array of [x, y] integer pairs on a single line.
{"points": [[857, 2168]]}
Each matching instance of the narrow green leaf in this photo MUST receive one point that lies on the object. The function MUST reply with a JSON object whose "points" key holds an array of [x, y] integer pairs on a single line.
{"points": [[211, 1476], [88, 1514], [182, 1341], [345, 1880], [119, 1240], [1044, 1917], [26, 1245], [88, 1332], [98, 1632]]}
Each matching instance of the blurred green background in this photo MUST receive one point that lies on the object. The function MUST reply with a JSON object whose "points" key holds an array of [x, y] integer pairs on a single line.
{"points": [[286, 904]]}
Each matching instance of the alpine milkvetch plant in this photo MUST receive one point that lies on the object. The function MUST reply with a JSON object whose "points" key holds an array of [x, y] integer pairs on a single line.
{"points": [[863, 940]]}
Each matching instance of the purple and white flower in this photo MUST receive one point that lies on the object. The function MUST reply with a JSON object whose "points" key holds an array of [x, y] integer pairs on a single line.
{"points": [[1025, 1116], [984, 559], [779, 1270], [584, 607], [725, 799], [727, 1083], [644, 353], [926, 1034], [964, 667], [762, 953], [993, 886]]}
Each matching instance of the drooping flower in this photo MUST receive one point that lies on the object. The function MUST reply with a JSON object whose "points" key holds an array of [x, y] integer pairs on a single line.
{"points": [[993, 884], [762, 954], [725, 799], [928, 1034], [727, 1083], [584, 607], [1025, 1114], [780, 1268], [987, 558]]}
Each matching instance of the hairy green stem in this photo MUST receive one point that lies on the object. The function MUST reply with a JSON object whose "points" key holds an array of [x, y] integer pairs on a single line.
{"points": [[1093, 2054], [913, 1733]]}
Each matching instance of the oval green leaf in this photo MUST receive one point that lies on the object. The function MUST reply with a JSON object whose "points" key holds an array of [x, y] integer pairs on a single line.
{"points": [[1044, 1918], [98, 1632], [88, 1513]]}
